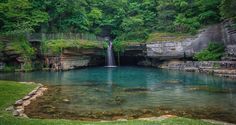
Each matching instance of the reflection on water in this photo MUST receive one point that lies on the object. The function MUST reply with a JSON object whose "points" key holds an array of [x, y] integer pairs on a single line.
{"points": [[130, 92]]}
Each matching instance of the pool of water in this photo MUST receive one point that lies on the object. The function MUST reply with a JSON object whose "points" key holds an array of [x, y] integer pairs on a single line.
{"points": [[130, 92]]}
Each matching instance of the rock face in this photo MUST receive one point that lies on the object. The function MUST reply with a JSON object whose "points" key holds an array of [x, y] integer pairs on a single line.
{"points": [[229, 35], [132, 55], [74, 62], [72, 58], [152, 53], [198, 64], [169, 50], [186, 48], [218, 68]]}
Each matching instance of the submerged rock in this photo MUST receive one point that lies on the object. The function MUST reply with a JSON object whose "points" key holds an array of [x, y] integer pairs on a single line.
{"points": [[90, 84], [137, 90], [210, 89], [49, 109], [119, 100], [66, 100], [172, 82]]}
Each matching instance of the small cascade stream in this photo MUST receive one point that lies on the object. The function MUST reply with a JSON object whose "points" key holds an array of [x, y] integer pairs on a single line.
{"points": [[110, 56]]}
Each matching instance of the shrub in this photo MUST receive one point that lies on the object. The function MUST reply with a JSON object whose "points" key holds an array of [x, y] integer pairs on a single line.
{"points": [[20, 45], [105, 44], [213, 52], [8, 68], [186, 25], [27, 66], [119, 46]]}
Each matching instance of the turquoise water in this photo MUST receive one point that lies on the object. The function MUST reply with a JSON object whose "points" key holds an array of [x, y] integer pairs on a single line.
{"points": [[130, 92]]}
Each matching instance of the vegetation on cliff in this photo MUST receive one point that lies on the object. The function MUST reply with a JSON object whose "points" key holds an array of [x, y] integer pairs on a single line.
{"points": [[57, 46], [165, 37], [19, 46], [213, 52]]}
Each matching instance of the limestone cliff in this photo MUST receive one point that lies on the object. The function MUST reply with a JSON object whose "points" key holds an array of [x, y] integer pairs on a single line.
{"points": [[186, 48], [72, 58]]}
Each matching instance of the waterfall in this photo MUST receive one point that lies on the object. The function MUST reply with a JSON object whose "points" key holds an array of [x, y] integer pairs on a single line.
{"points": [[110, 56]]}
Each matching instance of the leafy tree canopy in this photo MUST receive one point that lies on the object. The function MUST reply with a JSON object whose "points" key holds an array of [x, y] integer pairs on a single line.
{"points": [[121, 19]]}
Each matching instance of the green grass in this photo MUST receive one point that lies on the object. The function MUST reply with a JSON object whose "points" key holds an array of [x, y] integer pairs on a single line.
{"points": [[56, 46], [164, 37], [12, 91]]}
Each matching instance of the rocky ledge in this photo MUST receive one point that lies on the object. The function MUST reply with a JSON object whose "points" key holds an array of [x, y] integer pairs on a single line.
{"points": [[19, 107], [73, 58], [218, 68]]}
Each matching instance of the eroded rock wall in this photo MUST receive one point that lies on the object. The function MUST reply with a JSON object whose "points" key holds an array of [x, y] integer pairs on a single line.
{"points": [[169, 50], [72, 58], [185, 48], [229, 35], [218, 68]]}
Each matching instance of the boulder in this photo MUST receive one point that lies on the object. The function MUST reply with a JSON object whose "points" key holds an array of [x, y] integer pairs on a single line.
{"points": [[19, 102]]}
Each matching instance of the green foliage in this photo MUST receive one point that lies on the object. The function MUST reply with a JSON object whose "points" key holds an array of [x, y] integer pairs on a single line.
{"points": [[186, 16], [105, 44], [228, 9], [57, 46], [21, 46], [120, 19], [119, 46], [8, 68], [214, 52], [27, 66], [186, 25], [208, 11], [19, 16]]}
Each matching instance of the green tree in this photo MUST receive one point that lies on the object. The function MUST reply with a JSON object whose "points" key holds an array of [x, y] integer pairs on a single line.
{"points": [[208, 11], [166, 15], [228, 9], [20, 16]]}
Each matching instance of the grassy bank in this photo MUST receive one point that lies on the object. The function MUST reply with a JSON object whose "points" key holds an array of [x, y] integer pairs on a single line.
{"points": [[12, 91]]}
